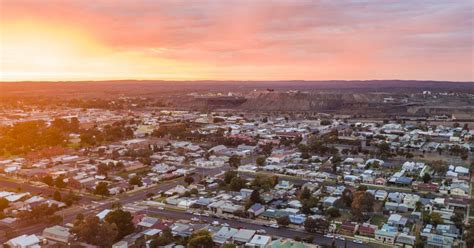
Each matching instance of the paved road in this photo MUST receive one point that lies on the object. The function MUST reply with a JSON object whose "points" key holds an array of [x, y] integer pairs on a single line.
{"points": [[281, 232]]}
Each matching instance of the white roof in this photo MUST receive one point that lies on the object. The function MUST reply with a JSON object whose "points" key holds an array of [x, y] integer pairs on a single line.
{"points": [[24, 241], [260, 240], [104, 213]]}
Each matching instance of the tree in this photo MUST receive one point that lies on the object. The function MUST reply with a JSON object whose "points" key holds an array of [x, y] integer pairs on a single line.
{"points": [[347, 197], [71, 198], [136, 180], [264, 182], [305, 194], [333, 212], [362, 202], [260, 160], [426, 178], [284, 221], [313, 225], [48, 180], [102, 189], [96, 232], [234, 161], [308, 204], [103, 169], [469, 233], [189, 180], [229, 175], [439, 166], [229, 245], [201, 239], [123, 220], [237, 183], [57, 196], [59, 181], [4, 203], [255, 197], [436, 219]]}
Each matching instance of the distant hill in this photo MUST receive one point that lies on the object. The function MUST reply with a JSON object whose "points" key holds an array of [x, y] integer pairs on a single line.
{"points": [[150, 87]]}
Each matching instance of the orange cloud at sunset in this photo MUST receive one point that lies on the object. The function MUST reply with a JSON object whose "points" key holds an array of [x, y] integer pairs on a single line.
{"points": [[239, 40]]}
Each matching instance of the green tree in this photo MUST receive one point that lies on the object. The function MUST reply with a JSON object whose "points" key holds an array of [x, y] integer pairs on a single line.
{"points": [[102, 189], [96, 232], [284, 221], [234, 161], [4, 203], [229, 245], [48, 180], [333, 212], [123, 220], [260, 160], [426, 178], [57, 196], [313, 225], [436, 219], [189, 180], [229, 175], [255, 197], [59, 182], [237, 183], [305, 193], [201, 239]]}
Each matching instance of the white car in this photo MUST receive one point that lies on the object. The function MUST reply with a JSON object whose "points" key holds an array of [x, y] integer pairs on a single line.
{"points": [[329, 236], [340, 237], [215, 223], [161, 208], [194, 219], [261, 231], [275, 226], [358, 241], [225, 224], [197, 214]]}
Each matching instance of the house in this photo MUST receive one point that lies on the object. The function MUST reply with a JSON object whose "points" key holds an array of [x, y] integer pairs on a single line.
{"points": [[329, 201], [405, 240], [386, 234], [24, 241], [259, 241], [246, 192], [243, 236], [147, 222], [256, 209], [438, 241], [380, 195], [348, 228], [57, 233], [120, 244], [397, 221], [284, 185], [367, 230], [224, 235]]}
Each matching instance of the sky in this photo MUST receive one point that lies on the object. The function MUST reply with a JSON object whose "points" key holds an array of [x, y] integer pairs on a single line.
{"points": [[236, 40]]}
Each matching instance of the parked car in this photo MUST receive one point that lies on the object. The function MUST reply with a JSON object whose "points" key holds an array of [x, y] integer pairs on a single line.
{"points": [[358, 241], [215, 223], [261, 231], [275, 226]]}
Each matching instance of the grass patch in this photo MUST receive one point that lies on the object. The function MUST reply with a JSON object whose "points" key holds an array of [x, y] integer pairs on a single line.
{"points": [[378, 220]]}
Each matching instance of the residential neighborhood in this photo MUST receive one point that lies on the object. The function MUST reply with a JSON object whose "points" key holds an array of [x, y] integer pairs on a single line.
{"points": [[170, 178]]}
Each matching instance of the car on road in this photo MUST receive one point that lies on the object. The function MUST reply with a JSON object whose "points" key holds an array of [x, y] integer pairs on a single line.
{"points": [[340, 237], [197, 214], [261, 231], [215, 223], [329, 236], [161, 208], [205, 214], [194, 219], [274, 225], [225, 224], [358, 241], [189, 211]]}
